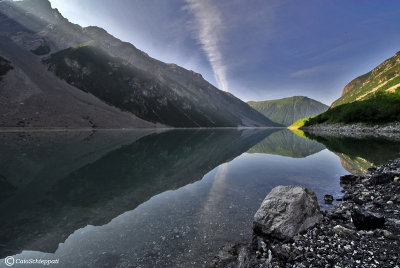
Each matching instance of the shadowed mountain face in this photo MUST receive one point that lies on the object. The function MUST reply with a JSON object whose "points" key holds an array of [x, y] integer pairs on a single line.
{"points": [[286, 143], [114, 72], [357, 154], [31, 96], [60, 182], [286, 111]]}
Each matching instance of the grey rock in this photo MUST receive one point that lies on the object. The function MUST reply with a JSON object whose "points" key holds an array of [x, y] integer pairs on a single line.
{"points": [[287, 211], [343, 231], [388, 234]]}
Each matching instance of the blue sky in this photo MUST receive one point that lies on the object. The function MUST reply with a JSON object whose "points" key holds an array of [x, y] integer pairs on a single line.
{"points": [[257, 50]]}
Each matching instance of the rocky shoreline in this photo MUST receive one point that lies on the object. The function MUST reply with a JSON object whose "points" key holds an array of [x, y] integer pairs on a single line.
{"points": [[391, 130], [361, 230]]}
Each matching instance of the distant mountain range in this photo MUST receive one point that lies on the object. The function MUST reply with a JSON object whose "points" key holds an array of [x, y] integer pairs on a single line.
{"points": [[372, 98], [57, 74], [286, 111]]}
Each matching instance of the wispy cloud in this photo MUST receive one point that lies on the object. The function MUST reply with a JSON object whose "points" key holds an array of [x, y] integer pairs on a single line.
{"points": [[208, 29], [316, 70]]}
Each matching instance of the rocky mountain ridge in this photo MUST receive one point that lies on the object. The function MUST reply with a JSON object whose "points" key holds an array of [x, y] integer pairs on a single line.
{"points": [[179, 97]]}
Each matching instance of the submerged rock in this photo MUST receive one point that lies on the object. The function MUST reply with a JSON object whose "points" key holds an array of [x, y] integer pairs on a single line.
{"points": [[287, 211], [365, 220]]}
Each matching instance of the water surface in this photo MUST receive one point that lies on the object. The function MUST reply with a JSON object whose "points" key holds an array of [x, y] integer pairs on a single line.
{"points": [[156, 199]]}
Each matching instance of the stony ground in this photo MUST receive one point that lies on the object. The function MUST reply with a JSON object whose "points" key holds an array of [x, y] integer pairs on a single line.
{"points": [[372, 203], [390, 130]]}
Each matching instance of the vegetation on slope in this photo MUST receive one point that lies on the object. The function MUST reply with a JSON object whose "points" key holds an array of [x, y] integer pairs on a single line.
{"points": [[382, 108], [286, 111], [299, 123]]}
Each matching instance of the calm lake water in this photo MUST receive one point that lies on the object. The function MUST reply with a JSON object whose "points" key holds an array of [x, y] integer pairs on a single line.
{"points": [[156, 199]]}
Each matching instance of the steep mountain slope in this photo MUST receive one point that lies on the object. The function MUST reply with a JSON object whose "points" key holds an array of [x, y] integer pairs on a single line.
{"points": [[130, 79], [31, 96], [286, 111], [381, 80]]}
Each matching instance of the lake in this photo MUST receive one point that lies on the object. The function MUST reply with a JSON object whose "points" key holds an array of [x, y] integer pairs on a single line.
{"points": [[157, 198]]}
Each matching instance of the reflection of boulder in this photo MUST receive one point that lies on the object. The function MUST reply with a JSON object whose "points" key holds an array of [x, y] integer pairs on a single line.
{"points": [[358, 154], [74, 185], [286, 143]]}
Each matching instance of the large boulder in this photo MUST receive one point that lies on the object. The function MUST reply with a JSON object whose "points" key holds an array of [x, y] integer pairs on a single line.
{"points": [[287, 211]]}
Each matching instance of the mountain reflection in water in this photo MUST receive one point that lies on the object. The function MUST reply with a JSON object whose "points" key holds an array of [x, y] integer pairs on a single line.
{"points": [[152, 199]]}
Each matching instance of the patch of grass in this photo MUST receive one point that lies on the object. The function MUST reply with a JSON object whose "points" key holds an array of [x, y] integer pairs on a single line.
{"points": [[382, 108], [299, 123]]}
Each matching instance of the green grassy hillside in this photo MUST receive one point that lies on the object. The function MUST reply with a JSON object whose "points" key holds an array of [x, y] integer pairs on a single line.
{"points": [[383, 79], [286, 111], [381, 108]]}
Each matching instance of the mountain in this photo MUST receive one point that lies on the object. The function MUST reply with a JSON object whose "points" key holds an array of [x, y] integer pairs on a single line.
{"points": [[286, 111], [95, 68], [372, 98], [383, 79]]}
